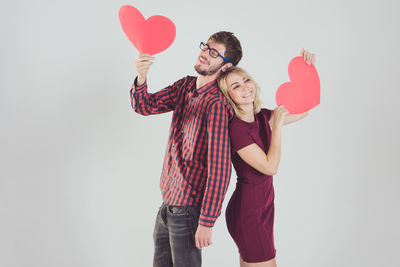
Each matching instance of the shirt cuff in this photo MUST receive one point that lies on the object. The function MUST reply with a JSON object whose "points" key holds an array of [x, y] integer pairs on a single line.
{"points": [[207, 220], [136, 88]]}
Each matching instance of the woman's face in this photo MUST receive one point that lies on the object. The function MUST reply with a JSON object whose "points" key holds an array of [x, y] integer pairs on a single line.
{"points": [[241, 89]]}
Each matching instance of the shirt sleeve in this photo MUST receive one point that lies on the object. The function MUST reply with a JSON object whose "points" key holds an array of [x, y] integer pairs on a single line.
{"points": [[162, 101], [239, 136], [219, 164]]}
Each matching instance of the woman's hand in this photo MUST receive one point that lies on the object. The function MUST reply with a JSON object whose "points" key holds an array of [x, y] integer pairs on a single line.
{"points": [[279, 116], [308, 57]]}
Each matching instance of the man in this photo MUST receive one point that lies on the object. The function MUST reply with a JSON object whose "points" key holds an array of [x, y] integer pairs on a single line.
{"points": [[197, 166]]}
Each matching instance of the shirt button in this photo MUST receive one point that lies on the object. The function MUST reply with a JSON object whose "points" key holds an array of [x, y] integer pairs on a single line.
{"points": [[182, 131]]}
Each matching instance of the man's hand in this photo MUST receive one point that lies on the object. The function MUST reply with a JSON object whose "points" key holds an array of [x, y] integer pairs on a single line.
{"points": [[307, 56], [142, 64], [203, 236]]}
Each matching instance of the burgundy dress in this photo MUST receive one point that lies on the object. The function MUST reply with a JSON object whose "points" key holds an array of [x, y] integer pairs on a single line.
{"points": [[250, 211]]}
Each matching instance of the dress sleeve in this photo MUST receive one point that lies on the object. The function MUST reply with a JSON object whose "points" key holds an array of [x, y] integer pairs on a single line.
{"points": [[267, 112], [239, 136]]}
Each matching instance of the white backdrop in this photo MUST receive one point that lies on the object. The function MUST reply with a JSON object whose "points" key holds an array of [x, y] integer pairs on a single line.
{"points": [[79, 174]]}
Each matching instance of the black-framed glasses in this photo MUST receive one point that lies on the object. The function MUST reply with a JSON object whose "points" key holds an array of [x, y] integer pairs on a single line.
{"points": [[211, 51]]}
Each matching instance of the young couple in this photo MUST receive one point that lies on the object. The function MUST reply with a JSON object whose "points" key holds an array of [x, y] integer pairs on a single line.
{"points": [[217, 119]]}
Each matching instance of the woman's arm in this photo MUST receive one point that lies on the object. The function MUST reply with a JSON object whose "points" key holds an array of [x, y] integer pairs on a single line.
{"points": [[254, 156], [265, 163]]}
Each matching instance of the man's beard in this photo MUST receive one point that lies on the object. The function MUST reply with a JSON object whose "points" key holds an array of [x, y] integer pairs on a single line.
{"points": [[210, 71]]}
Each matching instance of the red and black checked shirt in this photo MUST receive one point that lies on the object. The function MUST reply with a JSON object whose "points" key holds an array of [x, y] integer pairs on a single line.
{"points": [[197, 163]]}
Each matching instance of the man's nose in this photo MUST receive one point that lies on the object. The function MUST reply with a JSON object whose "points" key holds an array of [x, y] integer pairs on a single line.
{"points": [[205, 54]]}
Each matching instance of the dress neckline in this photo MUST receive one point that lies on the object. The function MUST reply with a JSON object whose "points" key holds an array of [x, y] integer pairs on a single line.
{"points": [[250, 123]]}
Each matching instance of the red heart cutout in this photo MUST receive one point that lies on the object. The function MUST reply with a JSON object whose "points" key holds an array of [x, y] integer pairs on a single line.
{"points": [[151, 36], [302, 93]]}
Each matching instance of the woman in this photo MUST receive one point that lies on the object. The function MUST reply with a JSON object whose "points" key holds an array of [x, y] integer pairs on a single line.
{"points": [[256, 152]]}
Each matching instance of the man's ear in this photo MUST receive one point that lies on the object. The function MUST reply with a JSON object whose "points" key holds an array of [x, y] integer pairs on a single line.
{"points": [[226, 66]]}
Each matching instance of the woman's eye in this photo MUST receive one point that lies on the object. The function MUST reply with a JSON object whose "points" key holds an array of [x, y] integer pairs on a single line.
{"points": [[247, 80]]}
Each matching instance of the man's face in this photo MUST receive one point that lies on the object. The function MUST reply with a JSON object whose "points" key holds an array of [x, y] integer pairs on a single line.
{"points": [[206, 64]]}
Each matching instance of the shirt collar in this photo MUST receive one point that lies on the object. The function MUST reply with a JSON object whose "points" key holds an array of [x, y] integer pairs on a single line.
{"points": [[207, 88]]}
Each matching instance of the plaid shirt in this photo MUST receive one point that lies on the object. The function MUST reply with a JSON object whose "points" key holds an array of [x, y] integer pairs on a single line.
{"points": [[197, 163]]}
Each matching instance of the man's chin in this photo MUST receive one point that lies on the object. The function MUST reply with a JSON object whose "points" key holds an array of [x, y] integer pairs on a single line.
{"points": [[207, 72], [200, 71]]}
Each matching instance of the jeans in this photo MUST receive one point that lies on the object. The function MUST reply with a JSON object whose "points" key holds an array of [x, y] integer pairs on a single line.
{"points": [[174, 231]]}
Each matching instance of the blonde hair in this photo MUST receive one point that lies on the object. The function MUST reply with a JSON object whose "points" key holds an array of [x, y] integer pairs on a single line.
{"points": [[222, 83]]}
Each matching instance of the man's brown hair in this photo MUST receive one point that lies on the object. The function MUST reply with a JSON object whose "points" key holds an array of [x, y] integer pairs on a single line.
{"points": [[233, 50]]}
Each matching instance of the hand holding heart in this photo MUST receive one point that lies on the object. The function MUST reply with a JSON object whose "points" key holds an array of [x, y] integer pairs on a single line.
{"points": [[307, 56], [279, 117], [142, 65], [150, 36], [302, 93]]}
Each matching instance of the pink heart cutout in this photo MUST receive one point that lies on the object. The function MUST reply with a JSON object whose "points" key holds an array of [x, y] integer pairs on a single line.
{"points": [[151, 36], [302, 93]]}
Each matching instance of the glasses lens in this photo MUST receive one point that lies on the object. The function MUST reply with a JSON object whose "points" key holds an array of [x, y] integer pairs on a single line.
{"points": [[214, 53]]}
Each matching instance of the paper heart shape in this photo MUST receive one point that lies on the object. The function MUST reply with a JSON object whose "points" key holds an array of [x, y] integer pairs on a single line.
{"points": [[302, 93], [151, 36]]}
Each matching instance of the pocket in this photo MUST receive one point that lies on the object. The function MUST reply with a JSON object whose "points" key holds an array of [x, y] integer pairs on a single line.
{"points": [[180, 227], [177, 210], [162, 205]]}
